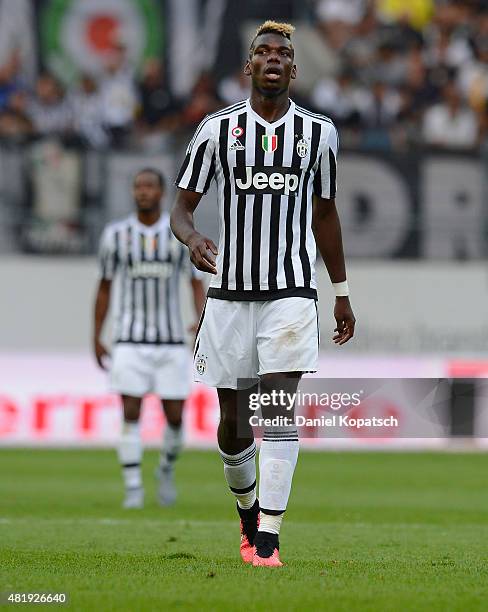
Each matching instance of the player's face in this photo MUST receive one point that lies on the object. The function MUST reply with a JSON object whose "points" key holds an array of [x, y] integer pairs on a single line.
{"points": [[270, 65], [147, 191]]}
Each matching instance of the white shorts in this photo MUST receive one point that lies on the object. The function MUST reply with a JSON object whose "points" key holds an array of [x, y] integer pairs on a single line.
{"points": [[244, 340], [138, 369]]}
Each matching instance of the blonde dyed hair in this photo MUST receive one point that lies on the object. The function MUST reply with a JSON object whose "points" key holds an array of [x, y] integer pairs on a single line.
{"points": [[275, 27], [272, 27]]}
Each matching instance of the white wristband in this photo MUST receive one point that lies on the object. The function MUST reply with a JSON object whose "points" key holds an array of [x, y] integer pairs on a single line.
{"points": [[341, 289]]}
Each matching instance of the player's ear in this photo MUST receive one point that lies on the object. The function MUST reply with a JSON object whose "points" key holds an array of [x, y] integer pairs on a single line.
{"points": [[294, 72], [247, 68]]}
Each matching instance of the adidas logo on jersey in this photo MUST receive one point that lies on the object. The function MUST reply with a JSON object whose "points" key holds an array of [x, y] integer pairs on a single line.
{"points": [[254, 180], [237, 146]]}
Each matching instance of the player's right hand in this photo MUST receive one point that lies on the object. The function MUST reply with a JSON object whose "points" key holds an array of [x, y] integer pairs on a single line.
{"points": [[202, 251], [101, 354]]}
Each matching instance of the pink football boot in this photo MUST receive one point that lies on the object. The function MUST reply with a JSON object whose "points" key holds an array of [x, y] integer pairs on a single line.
{"points": [[266, 550], [249, 528]]}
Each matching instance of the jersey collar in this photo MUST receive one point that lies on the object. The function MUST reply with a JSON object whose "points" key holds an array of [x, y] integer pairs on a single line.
{"points": [[156, 227], [262, 121]]}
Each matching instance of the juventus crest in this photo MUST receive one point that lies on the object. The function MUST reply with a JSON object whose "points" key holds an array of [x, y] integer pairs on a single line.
{"points": [[302, 147]]}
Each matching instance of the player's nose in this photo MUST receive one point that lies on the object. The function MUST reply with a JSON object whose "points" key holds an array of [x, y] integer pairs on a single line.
{"points": [[273, 56]]}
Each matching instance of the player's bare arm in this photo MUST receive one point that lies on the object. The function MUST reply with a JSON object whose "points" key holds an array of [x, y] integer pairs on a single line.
{"points": [[326, 227], [202, 249], [102, 303], [198, 290]]}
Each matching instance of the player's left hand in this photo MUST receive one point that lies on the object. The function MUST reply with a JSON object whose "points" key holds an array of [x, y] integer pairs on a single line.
{"points": [[345, 320]]}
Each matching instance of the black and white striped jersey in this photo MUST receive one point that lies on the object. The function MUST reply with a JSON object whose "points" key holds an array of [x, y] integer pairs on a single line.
{"points": [[266, 175], [147, 262]]}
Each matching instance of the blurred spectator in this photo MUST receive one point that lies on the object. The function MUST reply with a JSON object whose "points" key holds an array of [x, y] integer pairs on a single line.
{"points": [[342, 11], [473, 78], [118, 96], [381, 114], [159, 109], [9, 79], [422, 90], [383, 68], [360, 52], [341, 99], [14, 122], [88, 117], [450, 124], [447, 42], [203, 101], [484, 127], [383, 106], [49, 110], [339, 18], [390, 65], [234, 88], [15, 125], [391, 74], [417, 13]]}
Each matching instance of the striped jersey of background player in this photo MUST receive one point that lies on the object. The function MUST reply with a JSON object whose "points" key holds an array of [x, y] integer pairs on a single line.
{"points": [[274, 164], [149, 353]]}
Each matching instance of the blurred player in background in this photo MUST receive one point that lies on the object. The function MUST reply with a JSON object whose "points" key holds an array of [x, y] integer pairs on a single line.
{"points": [[149, 352], [275, 167]]}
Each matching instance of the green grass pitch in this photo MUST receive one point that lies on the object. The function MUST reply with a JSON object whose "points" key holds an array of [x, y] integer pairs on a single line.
{"points": [[364, 531]]}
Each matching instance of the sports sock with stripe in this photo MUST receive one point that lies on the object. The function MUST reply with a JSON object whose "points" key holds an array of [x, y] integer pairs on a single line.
{"points": [[240, 473], [171, 447], [130, 454]]}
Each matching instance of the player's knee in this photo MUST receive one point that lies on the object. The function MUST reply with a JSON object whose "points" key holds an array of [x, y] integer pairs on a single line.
{"points": [[174, 421], [132, 408], [228, 421], [130, 417], [228, 418]]}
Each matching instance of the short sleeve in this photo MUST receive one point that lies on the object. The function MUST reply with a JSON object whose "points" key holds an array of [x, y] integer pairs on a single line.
{"points": [[107, 254], [198, 167], [325, 180]]}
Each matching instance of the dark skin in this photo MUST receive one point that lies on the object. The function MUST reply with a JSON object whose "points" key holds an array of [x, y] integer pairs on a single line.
{"points": [[326, 228], [271, 67], [148, 193]]}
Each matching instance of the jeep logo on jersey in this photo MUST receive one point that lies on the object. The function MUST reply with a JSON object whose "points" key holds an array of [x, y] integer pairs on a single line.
{"points": [[151, 269], [255, 180]]}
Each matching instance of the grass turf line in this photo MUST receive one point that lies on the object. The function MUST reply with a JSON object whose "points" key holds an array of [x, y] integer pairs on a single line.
{"points": [[365, 531]]}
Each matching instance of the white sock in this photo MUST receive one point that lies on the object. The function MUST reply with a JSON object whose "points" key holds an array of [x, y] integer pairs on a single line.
{"points": [[240, 473], [270, 523], [171, 448], [130, 454], [277, 460]]}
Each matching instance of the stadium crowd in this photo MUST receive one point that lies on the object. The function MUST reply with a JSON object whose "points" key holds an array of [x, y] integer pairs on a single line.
{"points": [[395, 74]]}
